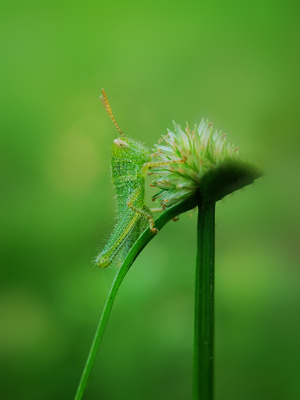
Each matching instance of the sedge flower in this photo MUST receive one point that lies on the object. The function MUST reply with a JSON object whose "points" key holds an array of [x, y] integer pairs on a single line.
{"points": [[208, 166]]}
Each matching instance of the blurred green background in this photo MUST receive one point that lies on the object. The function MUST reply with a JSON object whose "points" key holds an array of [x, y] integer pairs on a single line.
{"points": [[236, 63]]}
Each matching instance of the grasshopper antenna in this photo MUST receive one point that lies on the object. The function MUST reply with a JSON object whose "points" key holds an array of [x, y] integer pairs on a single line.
{"points": [[109, 111]]}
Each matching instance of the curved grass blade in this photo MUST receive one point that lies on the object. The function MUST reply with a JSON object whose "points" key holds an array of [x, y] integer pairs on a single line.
{"points": [[135, 250]]}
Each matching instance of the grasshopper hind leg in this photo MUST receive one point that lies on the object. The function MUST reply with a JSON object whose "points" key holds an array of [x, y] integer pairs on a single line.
{"points": [[146, 213], [143, 211], [124, 233]]}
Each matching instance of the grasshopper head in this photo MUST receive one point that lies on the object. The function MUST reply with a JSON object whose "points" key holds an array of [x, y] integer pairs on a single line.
{"points": [[121, 144], [121, 148], [130, 150]]}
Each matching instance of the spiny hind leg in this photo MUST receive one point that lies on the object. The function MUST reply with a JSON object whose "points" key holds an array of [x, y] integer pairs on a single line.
{"points": [[147, 214], [144, 211], [121, 235]]}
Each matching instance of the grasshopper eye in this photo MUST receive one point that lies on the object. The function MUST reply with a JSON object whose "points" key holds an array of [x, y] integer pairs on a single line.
{"points": [[121, 144]]}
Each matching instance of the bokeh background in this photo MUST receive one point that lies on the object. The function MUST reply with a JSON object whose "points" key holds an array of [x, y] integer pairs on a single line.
{"points": [[236, 63]]}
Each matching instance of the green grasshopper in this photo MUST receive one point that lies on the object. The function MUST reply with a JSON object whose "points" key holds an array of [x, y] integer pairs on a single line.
{"points": [[130, 161]]}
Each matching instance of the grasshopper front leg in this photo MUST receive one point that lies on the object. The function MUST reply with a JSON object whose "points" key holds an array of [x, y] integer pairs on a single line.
{"points": [[160, 209], [153, 164]]}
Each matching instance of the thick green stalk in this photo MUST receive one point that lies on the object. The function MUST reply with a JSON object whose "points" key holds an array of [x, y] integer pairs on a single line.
{"points": [[143, 240], [204, 304]]}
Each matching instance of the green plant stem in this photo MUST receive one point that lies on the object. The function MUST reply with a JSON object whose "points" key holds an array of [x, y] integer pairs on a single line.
{"points": [[135, 250], [204, 304]]}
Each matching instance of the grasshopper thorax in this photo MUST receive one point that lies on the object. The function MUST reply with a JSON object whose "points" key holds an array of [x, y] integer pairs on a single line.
{"points": [[130, 150]]}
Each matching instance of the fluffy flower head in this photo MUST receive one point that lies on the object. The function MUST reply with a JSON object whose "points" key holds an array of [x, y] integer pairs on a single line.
{"points": [[198, 162]]}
